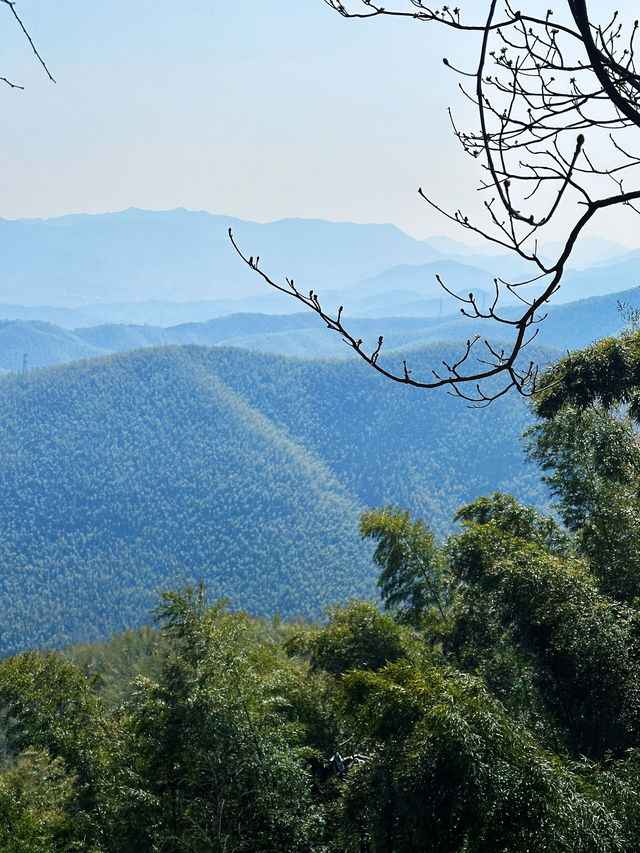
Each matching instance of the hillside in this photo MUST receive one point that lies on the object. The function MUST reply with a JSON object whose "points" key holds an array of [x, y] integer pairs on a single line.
{"points": [[120, 474], [567, 326], [388, 443]]}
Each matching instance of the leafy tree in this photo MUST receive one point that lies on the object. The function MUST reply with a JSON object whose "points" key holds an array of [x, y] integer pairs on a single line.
{"points": [[36, 806], [411, 580], [511, 517], [52, 709], [544, 613], [451, 771], [213, 747], [586, 442], [605, 374], [518, 726], [208, 757], [358, 636]]}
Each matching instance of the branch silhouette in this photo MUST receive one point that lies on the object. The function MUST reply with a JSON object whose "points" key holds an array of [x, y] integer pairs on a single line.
{"points": [[11, 5], [557, 101]]}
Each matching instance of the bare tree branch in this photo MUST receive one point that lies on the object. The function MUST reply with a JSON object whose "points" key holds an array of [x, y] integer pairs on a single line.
{"points": [[549, 95], [12, 7]]}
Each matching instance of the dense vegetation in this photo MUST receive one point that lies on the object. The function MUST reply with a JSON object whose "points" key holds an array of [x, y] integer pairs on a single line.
{"points": [[494, 707], [119, 477], [121, 474]]}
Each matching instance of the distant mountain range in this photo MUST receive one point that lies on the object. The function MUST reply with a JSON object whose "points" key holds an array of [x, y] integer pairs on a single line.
{"points": [[184, 255], [167, 267], [34, 343]]}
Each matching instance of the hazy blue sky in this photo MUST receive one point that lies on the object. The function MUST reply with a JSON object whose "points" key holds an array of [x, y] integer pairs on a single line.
{"points": [[261, 109]]}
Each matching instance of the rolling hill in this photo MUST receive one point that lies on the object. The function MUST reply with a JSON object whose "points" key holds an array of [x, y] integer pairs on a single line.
{"points": [[118, 477], [120, 474], [566, 327]]}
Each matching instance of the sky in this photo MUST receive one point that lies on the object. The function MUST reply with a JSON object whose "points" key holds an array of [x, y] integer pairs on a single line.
{"points": [[261, 109]]}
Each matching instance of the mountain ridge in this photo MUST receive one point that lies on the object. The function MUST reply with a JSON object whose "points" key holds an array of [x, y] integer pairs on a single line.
{"points": [[180, 255], [568, 326]]}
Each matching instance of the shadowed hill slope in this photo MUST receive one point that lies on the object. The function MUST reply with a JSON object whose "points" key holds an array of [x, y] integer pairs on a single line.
{"points": [[121, 473]]}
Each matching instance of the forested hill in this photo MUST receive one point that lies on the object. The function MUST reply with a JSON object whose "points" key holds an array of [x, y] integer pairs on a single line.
{"points": [[121, 473], [567, 327]]}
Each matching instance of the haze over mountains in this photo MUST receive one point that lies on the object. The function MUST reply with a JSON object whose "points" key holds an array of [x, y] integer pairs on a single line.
{"points": [[35, 343], [147, 266], [184, 255]]}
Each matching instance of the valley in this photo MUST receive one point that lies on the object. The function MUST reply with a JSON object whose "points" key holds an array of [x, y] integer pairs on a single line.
{"points": [[239, 448]]}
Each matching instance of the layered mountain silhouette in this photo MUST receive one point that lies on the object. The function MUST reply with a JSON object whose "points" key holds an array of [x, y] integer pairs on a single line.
{"points": [[34, 343], [95, 265]]}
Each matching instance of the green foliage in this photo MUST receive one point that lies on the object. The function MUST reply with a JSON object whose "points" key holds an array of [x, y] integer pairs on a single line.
{"points": [[230, 745], [512, 724], [587, 445], [222, 765], [605, 374], [54, 710], [450, 771], [579, 646], [35, 797], [410, 582], [524, 522], [112, 666], [520, 729], [51, 708], [209, 757], [357, 637], [592, 462]]}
